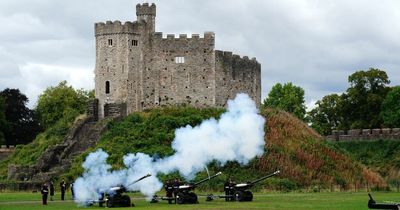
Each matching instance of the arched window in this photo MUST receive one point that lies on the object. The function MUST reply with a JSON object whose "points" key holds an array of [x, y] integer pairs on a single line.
{"points": [[107, 87]]}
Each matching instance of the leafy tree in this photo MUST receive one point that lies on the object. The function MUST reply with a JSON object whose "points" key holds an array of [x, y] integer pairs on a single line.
{"points": [[61, 101], [367, 91], [391, 108], [3, 120], [22, 122], [326, 114], [287, 97]]}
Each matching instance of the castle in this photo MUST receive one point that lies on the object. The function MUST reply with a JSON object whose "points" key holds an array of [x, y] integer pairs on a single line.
{"points": [[136, 68]]}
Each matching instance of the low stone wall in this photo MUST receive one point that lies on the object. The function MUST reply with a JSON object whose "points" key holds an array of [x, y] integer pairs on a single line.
{"points": [[5, 152], [365, 134]]}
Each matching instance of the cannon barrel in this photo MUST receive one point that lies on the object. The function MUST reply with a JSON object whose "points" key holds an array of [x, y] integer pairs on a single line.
{"points": [[373, 205], [206, 179], [265, 177], [141, 178]]}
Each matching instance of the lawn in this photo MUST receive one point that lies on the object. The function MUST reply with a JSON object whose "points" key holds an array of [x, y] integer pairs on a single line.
{"points": [[336, 201]]}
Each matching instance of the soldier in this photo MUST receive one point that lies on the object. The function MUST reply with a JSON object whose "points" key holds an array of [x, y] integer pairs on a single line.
{"points": [[231, 189], [227, 189], [169, 189], [51, 190], [175, 186], [45, 192], [72, 191], [63, 187]]}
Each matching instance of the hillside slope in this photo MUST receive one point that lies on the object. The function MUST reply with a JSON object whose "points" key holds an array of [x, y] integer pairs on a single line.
{"points": [[291, 146]]}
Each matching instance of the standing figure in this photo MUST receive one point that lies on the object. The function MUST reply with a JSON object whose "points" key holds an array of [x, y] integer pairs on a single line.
{"points": [[45, 192], [169, 189], [175, 186], [72, 191], [227, 189], [51, 190], [63, 187]]}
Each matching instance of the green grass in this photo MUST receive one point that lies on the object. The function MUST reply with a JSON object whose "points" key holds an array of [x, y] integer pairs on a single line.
{"points": [[336, 201]]}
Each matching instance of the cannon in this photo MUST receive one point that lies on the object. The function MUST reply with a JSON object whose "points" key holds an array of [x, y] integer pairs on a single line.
{"points": [[240, 192], [185, 194], [373, 205], [114, 196]]}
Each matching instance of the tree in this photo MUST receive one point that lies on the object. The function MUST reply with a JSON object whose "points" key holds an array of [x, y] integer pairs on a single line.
{"points": [[61, 101], [287, 97], [327, 114], [3, 120], [367, 91], [390, 112], [22, 125]]}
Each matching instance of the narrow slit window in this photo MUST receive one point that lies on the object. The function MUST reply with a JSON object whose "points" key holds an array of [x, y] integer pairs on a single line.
{"points": [[107, 87], [110, 42], [134, 42], [179, 59]]}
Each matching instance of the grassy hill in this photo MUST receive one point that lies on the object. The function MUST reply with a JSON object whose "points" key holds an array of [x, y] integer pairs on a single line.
{"points": [[291, 146]]}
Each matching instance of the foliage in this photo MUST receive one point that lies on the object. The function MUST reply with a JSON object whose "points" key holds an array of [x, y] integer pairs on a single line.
{"points": [[366, 93], [22, 123], [391, 108], [287, 97], [57, 102], [327, 114], [3, 120]]}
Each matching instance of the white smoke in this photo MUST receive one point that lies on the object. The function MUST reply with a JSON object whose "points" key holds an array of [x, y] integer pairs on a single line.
{"points": [[237, 136]]}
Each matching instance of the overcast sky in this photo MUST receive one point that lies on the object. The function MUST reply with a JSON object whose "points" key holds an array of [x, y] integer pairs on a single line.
{"points": [[313, 43]]}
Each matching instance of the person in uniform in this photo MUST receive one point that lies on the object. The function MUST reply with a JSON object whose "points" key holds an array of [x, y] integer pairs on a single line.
{"points": [[72, 191], [175, 186], [63, 187], [231, 189], [44, 191], [169, 189], [227, 189], [51, 190]]}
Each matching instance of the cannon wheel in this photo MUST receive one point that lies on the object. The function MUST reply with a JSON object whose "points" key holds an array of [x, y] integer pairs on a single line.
{"points": [[125, 201], [192, 198], [180, 198], [239, 196], [109, 203], [247, 196]]}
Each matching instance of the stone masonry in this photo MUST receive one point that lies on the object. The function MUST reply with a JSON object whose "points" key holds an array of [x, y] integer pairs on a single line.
{"points": [[137, 68]]}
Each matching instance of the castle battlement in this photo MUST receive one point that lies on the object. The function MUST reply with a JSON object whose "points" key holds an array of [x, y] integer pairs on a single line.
{"points": [[138, 68], [116, 27], [146, 9], [207, 37], [228, 55]]}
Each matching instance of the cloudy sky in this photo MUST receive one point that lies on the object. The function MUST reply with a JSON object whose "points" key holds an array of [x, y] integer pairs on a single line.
{"points": [[313, 43]]}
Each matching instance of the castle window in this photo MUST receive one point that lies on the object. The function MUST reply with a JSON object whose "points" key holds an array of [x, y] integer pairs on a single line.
{"points": [[107, 87], [134, 42], [110, 42], [179, 59]]}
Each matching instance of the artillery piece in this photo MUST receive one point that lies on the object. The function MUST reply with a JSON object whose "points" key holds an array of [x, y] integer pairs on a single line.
{"points": [[241, 192], [185, 194], [373, 205], [115, 198]]}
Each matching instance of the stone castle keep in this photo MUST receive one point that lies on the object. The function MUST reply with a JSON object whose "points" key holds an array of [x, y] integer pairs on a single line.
{"points": [[136, 68]]}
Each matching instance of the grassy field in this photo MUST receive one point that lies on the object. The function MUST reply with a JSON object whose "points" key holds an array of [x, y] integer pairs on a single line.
{"points": [[346, 200]]}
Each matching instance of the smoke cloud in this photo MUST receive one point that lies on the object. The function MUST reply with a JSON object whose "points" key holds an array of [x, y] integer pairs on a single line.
{"points": [[237, 136]]}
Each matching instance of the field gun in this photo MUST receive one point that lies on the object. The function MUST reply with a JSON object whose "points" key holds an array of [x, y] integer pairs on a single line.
{"points": [[114, 196], [184, 192], [241, 192], [373, 205]]}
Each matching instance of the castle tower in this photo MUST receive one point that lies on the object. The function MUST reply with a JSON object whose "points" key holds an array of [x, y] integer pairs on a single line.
{"points": [[147, 13]]}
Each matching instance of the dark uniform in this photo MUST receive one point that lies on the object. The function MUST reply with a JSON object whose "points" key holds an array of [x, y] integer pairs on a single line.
{"points": [[169, 189], [45, 192], [51, 190], [63, 187], [175, 185], [72, 191], [228, 188]]}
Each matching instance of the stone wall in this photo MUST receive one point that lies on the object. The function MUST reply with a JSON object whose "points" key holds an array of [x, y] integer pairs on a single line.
{"points": [[5, 152], [365, 134]]}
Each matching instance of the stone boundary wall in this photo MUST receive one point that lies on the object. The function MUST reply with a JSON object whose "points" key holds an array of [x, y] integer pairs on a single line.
{"points": [[115, 110], [5, 152], [365, 134]]}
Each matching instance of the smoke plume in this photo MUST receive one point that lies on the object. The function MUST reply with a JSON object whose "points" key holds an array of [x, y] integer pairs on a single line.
{"points": [[237, 136]]}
